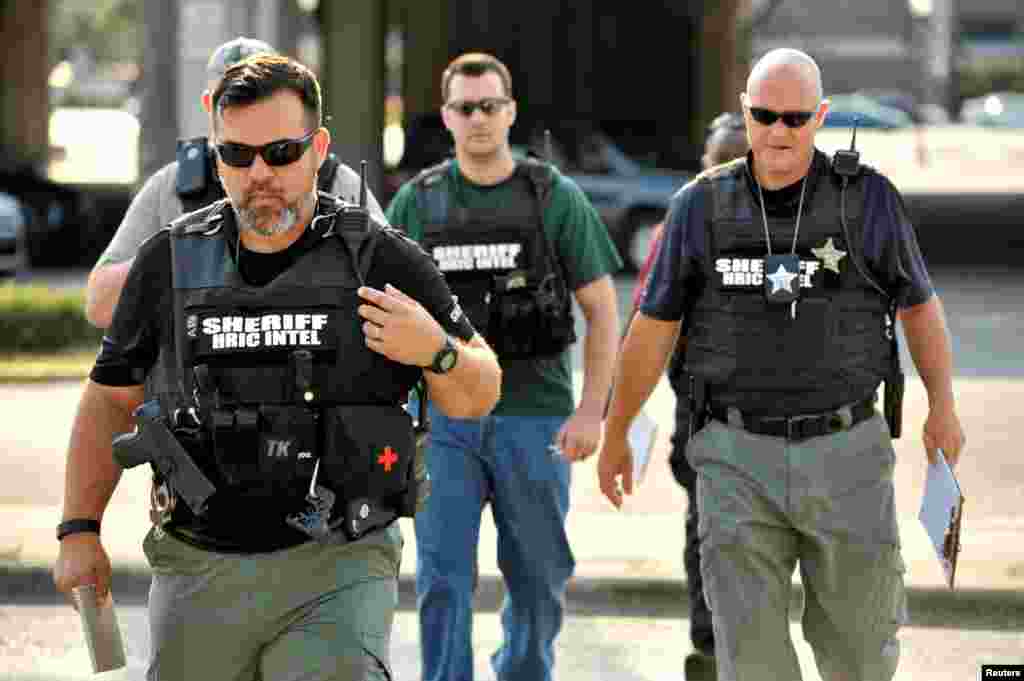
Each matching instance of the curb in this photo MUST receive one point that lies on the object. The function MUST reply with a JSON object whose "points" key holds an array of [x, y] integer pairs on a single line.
{"points": [[988, 609]]}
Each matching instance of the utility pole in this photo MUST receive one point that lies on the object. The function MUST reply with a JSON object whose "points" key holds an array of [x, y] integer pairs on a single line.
{"points": [[158, 116], [353, 71], [180, 35]]}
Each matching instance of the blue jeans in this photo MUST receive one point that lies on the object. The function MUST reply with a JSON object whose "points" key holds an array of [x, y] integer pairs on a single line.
{"points": [[504, 461]]}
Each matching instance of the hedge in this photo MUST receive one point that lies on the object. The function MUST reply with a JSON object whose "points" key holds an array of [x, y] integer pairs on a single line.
{"points": [[40, 319]]}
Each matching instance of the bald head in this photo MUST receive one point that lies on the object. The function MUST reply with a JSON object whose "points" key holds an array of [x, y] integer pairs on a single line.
{"points": [[789, 64]]}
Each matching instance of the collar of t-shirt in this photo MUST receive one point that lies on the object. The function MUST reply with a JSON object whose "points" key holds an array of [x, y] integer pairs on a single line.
{"points": [[463, 184], [784, 202], [259, 269]]}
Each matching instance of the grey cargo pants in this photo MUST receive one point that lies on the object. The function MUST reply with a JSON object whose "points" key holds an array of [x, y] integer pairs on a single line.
{"points": [[315, 612], [827, 504]]}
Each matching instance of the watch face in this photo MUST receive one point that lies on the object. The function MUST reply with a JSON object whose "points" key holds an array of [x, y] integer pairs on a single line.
{"points": [[448, 360]]}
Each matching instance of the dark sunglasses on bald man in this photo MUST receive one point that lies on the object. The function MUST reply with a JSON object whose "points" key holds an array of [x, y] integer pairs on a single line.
{"points": [[791, 119], [489, 105], [279, 153]]}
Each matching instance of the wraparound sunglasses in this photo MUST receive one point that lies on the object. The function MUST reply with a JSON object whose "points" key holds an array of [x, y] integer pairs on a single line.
{"points": [[279, 153]]}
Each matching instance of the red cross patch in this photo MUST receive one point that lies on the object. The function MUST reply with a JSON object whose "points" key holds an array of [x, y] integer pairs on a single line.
{"points": [[387, 459]]}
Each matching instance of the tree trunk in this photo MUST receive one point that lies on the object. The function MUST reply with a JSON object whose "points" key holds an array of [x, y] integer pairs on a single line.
{"points": [[724, 57], [24, 97]]}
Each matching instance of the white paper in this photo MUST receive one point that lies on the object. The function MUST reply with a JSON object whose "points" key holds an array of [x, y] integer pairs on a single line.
{"points": [[642, 434], [939, 505]]}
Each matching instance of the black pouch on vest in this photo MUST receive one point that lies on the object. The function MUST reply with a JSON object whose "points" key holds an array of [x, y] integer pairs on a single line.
{"points": [[781, 279], [235, 443], [516, 325], [530, 320], [555, 312], [287, 448], [368, 451]]}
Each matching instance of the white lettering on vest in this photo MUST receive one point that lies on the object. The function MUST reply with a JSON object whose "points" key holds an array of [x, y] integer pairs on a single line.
{"points": [[749, 272], [483, 257], [268, 330]]}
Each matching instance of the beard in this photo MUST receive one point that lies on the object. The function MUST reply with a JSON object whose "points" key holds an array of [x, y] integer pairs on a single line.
{"points": [[267, 221]]}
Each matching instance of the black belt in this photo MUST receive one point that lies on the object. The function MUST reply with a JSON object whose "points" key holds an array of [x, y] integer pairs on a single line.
{"points": [[802, 426]]}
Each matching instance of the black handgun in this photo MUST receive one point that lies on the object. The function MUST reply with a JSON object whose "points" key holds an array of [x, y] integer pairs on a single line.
{"points": [[152, 442]]}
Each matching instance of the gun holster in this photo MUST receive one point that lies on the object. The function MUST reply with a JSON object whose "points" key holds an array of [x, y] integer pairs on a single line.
{"points": [[698, 398], [893, 403]]}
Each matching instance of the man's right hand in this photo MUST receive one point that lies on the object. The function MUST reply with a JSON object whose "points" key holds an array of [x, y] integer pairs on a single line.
{"points": [[615, 467], [82, 560]]}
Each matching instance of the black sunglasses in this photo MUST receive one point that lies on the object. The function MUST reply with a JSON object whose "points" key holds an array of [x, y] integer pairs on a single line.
{"points": [[279, 153], [489, 105], [791, 119]]}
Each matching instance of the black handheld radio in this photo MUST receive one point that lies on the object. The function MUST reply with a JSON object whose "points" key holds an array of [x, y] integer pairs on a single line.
{"points": [[846, 162]]}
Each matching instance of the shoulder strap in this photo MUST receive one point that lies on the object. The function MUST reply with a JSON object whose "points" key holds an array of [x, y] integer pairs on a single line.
{"points": [[432, 201], [354, 226], [541, 175], [202, 221], [854, 186], [328, 171]]}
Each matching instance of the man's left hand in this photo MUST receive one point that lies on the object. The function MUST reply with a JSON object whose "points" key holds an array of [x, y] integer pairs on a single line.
{"points": [[398, 327], [942, 430]]}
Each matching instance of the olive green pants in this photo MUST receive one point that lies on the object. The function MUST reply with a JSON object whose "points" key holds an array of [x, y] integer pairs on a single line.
{"points": [[827, 504], [314, 612]]}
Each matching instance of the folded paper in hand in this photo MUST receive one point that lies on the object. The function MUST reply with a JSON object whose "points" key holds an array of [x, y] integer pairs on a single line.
{"points": [[643, 432], [941, 512]]}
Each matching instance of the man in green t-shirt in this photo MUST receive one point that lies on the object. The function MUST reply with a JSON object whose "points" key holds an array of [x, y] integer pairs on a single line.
{"points": [[515, 239]]}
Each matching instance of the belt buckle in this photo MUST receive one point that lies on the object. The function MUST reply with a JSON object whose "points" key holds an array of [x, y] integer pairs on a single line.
{"points": [[832, 422], [794, 428]]}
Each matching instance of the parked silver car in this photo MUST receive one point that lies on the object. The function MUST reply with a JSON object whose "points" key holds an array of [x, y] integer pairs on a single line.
{"points": [[13, 235]]}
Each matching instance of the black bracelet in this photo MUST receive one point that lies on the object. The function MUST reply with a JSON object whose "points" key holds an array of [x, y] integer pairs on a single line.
{"points": [[76, 525]]}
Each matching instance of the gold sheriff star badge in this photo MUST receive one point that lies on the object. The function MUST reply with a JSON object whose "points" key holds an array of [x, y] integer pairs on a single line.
{"points": [[830, 255]]}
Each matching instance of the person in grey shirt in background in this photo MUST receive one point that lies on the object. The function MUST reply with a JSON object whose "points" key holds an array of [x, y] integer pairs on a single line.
{"points": [[188, 184]]}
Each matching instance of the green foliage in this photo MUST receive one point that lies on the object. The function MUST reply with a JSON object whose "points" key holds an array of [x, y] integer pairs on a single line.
{"points": [[1002, 75], [40, 319], [108, 28]]}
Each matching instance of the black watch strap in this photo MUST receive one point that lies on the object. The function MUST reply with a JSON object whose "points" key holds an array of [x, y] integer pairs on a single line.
{"points": [[446, 357], [76, 525]]}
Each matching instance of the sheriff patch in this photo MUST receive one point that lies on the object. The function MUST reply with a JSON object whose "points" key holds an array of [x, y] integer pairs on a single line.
{"points": [[477, 257], [749, 272], [216, 333]]}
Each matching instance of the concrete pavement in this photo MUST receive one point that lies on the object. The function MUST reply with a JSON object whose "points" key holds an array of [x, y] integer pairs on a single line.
{"points": [[633, 550]]}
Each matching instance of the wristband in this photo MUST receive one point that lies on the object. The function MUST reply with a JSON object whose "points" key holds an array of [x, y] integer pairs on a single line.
{"points": [[76, 525]]}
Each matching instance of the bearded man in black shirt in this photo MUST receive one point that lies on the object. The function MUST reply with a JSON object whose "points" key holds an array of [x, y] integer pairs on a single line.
{"points": [[277, 320]]}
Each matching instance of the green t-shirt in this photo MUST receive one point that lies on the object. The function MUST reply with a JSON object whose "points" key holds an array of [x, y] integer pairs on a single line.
{"points": [[541, 385]]}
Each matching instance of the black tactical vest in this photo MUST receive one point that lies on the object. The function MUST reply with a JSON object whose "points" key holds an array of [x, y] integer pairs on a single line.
{"points": [[281, 377], [197, 184], [500, 264], [756, 356]]}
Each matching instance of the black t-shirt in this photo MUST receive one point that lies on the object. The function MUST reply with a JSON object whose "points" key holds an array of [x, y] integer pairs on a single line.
{"points": [[144, 317], [144, 312]]}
